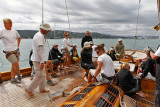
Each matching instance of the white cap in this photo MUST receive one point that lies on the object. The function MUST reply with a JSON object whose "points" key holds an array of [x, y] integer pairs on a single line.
{"points": [[87, 45], [119, 40], [111, 49], [91, 43], [45, 27], [62, 48], [55, 44]]}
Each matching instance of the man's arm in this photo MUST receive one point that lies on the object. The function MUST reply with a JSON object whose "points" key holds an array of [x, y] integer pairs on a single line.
{"points": [[41, 55], [153, 56], [18, 41], [100, 64]]}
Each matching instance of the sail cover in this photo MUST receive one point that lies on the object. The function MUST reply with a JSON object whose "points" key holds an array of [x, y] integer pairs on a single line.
{"points": [[158, 6]]}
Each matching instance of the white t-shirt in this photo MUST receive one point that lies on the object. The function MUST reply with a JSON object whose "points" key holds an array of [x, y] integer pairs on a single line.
{"points": [[38, 54], [65, 42], [107, 67], [105, 49], [158, 52], [94, 54], [9, 39]]}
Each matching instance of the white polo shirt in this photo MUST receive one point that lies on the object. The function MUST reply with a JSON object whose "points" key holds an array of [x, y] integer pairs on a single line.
{"points": [[38, 40], [9, 39], [94, 54], [65, 42], [157, 53], [107, 67]]}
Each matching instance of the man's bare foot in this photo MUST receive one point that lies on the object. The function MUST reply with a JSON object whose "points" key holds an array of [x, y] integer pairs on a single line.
{"points": [[141, 94], [29, 93], [43, 91]]}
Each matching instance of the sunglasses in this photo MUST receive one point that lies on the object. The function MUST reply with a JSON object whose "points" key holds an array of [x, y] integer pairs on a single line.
{"points": [[98, 51]]}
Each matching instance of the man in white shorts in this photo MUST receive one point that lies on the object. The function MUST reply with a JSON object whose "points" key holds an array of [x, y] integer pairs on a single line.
{"points": [[11, 41], [38, 46], [104, 69]]}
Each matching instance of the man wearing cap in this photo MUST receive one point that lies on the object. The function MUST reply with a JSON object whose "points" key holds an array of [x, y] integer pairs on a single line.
{"points": [[87, 38], [119, 48], [11, 42], [38, 46], [86, 57], [55, 56], [112, 54]]}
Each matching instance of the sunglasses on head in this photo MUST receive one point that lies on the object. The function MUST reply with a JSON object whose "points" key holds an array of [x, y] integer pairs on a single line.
{"points": [[98, 51]]}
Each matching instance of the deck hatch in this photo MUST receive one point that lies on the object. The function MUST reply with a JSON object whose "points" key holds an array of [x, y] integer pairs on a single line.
{"points": [[78, 97], [109, 97], [87, 90], [68, 105], [102, 103], [113, 90]]}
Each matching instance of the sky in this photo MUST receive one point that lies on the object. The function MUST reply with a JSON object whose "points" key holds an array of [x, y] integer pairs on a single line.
{"points": [[116, 17]]}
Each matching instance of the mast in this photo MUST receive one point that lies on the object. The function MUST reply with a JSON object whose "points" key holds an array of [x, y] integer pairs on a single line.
{"points": [[42, 13]]}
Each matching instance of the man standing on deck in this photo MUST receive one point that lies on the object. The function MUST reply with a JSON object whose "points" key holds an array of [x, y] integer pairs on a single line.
{"points": [[38, 46], [11, 41], [156, 56], [87, 38], [119, 48]]}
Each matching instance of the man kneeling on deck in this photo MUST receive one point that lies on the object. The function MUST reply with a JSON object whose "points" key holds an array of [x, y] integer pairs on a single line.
{"points": [[105, 67]]}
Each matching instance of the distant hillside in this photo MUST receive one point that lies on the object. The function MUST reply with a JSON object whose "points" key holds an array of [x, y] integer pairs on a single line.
{"points": [[60, 34]]}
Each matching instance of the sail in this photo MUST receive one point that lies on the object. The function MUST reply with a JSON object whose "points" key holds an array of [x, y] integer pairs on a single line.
{"points": [[158, 6]]}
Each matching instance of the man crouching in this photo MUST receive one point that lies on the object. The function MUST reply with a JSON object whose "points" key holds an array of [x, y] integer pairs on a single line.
{"points": [[38, 46], [104, 69]]}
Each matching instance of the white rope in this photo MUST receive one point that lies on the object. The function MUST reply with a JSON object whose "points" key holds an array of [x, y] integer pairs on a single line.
{"points": [[68, 20], [121, 103]]}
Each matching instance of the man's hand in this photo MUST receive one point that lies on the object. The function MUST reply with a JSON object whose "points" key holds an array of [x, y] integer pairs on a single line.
{"points": [[93, 79], [139, 75], [41, 66]]}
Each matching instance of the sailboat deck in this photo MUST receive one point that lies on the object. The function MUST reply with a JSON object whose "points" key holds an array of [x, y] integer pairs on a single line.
{"points": [[13, 95]]}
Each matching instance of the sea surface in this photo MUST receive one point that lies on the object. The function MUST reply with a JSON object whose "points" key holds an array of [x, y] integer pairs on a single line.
{"points": [[26, 46]]}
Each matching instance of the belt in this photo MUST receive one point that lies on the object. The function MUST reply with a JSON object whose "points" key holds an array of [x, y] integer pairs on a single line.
{"points": [[106, 77]]}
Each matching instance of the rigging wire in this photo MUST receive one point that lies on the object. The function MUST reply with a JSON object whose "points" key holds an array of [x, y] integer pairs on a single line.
{"points": [[137, 24], [68, 20]]}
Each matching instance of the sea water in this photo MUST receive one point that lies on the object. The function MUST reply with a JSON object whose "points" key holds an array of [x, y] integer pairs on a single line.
{"points": [[26, 46]]}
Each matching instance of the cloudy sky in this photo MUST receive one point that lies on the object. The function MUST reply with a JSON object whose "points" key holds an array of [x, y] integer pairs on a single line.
{"points": [[118, 17]]}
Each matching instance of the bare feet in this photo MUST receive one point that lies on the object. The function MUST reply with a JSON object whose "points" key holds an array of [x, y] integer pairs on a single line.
{"points": [[141, 94], [43, 91], [29, 93]]}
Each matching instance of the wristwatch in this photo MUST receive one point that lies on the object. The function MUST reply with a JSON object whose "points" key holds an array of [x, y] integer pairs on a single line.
{"points": [[94, 77]]}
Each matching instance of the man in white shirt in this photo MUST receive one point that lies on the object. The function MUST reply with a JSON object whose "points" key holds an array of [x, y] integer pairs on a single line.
{"points": [[105, 67], [11, 41], [156, 56], [38, 46]]}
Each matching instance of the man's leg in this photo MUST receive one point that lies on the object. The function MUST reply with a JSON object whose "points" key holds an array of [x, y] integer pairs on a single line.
{"points": [[12, 72], [38, 77], [89, 76]]}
